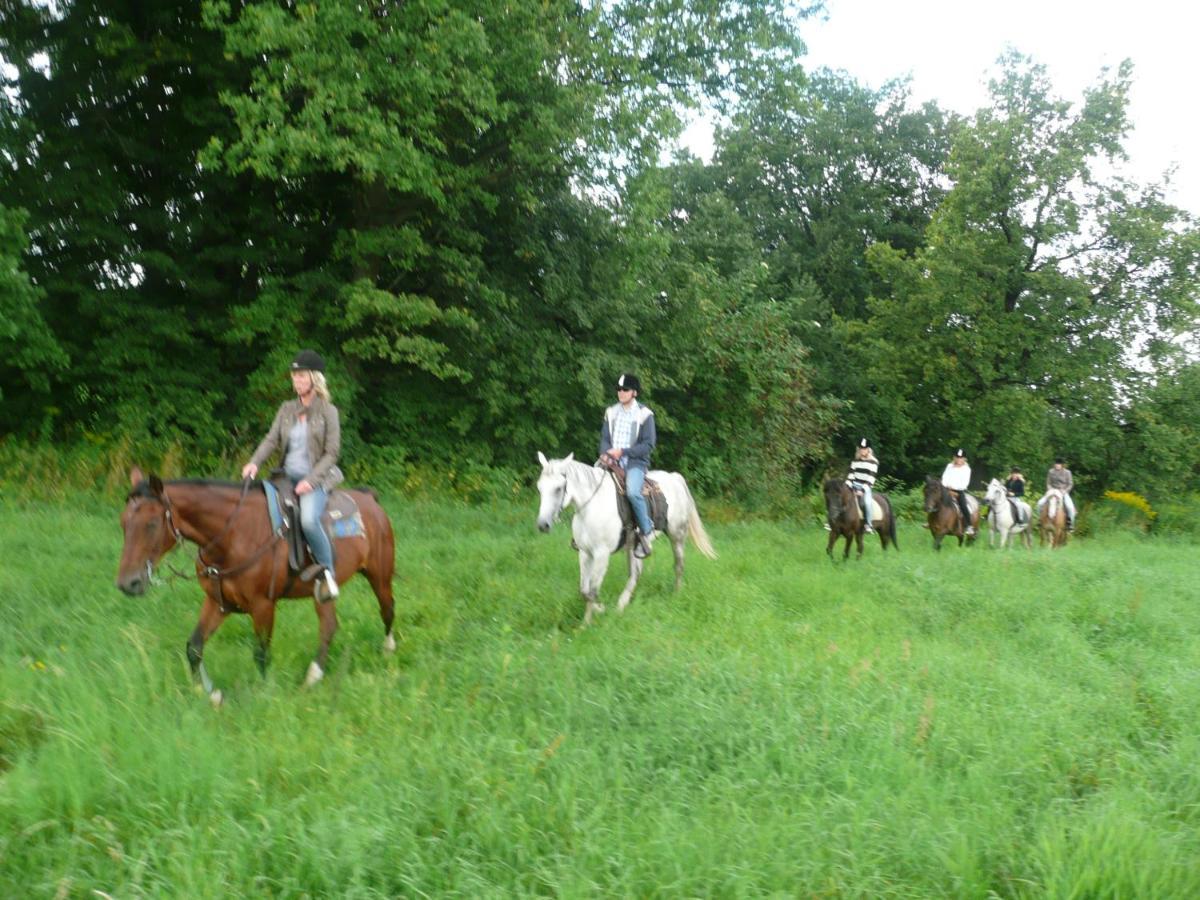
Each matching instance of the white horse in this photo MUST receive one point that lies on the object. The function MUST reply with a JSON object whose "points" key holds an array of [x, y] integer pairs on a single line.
{"points": [[1001, 518], [596, 525]]}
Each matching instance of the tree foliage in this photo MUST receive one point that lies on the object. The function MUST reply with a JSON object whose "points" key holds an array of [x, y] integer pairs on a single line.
{"points": [[1014, 330], [465, 208]]}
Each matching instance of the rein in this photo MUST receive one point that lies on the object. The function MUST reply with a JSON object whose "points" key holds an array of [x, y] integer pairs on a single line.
{"points": [[212, 571], [579, 506]]}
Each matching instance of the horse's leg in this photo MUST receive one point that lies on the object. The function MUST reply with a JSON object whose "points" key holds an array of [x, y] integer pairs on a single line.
{"points": [[262, 614], [592, 567], [858, 541], [677, 548], [211, 618], [327, 615], [833, 539], [379, 576], [635, 572]]}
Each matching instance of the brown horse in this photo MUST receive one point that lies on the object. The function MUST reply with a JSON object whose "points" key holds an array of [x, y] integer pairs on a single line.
{"points": [[241, 563], [941, 506], [845, 518], [1052, 520]]}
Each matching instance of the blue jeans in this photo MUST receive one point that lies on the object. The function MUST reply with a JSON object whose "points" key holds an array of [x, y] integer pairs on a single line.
{"points": [[634, 479], [866, 493], [312, 506], [1068, 504]]}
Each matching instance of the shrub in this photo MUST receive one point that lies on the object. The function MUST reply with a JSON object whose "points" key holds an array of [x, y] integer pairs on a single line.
{"points": [[1117, 510]]}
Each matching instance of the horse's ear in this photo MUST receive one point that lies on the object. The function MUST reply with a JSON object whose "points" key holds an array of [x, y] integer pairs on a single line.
{"points": [[542, 459], [156, 485], [136, 477], [570, 456]]}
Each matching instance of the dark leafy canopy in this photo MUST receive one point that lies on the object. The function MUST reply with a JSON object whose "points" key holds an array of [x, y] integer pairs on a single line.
{"points": [[453, 142], [461, 205], [28, 349], [137, 252]]}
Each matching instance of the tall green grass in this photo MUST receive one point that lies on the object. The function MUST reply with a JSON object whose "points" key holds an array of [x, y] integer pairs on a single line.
{"points": [[967, 724]]}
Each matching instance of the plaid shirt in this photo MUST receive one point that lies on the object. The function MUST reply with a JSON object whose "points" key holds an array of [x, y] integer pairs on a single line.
{"points": [[623, 428]]}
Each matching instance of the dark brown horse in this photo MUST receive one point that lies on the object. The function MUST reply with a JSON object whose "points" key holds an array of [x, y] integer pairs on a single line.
{"points": [[241, 563], [1052, 520], [845, 518], [941, 506]]}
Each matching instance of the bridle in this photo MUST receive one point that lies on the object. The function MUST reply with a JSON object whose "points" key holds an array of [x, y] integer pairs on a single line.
{"points": [[562, 504]]}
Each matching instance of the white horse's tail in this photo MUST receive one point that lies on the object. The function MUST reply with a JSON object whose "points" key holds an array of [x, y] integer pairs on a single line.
{"points": [[695, 527]]}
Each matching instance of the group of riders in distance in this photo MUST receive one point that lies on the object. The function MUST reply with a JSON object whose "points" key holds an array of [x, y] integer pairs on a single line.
{"points": [[250, 553], [854, 508]]}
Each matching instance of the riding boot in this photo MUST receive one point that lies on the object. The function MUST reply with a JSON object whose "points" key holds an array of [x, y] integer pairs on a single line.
{"points": [[325, 587], [641, 547]]}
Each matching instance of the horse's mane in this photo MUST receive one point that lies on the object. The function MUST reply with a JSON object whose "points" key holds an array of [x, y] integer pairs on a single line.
{"points": [[931, 480], [143, 488]]}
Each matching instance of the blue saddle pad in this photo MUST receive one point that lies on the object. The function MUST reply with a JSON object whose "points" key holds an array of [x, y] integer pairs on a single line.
{"points": [[273, 505]]}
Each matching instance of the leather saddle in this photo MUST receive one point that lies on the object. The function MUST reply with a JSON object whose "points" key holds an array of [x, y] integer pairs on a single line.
{"points": [[656, 500], [340, 519]]}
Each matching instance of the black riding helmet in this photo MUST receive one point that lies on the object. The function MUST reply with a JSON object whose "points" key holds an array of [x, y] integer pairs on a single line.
{"points": [[308, 360]]}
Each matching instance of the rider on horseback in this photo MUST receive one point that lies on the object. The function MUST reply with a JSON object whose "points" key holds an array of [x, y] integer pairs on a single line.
{"points": [[1059, 476], [863, 469], [308, 430], [957, 478], [628, 435], [1015, 486]]}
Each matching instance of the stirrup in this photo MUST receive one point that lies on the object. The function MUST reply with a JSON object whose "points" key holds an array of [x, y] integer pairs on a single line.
{"points": [[325, 586], [641, 545]]}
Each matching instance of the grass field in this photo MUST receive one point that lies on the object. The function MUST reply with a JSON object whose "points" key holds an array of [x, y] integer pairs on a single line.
{"points": [[968, 724]]}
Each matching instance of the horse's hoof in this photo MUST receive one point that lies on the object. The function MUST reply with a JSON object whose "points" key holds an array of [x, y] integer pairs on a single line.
{"points": [[314, 675], [216, 698], [389, 644]]}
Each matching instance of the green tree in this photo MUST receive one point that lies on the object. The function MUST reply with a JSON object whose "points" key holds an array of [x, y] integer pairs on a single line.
{"points": [[822, 168], [29, 354], [135, 250], [1015, 331], [483, 271]]}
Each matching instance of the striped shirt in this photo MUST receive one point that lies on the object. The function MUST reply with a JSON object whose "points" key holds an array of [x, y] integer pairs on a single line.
{"points": [[863, 471]]}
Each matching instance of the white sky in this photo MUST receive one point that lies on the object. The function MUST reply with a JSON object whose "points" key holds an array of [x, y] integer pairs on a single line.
{"points": [[949, 47]]}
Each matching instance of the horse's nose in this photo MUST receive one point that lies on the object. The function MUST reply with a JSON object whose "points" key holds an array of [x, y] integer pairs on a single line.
{"points": [[543, 526], [133, 585]]}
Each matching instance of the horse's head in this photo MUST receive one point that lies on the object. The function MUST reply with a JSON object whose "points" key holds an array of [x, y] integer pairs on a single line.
{"points": [[996, 492], [833, 489], [552, 487], [933, 493], [148, 532]]}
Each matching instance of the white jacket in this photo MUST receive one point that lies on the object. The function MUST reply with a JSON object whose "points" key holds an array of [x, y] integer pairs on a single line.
{"points": [[957, 478]]}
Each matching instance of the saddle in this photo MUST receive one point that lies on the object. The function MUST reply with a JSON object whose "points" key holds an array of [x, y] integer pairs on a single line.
{"points": [[867, 514], [340, 519], [656, 501], [968, 498], [1016, 512]]}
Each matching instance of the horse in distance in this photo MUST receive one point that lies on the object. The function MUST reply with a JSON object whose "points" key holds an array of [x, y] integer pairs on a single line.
{"points": [[942, 512], [1052, 522], [845, 518], [1003, 523]]}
